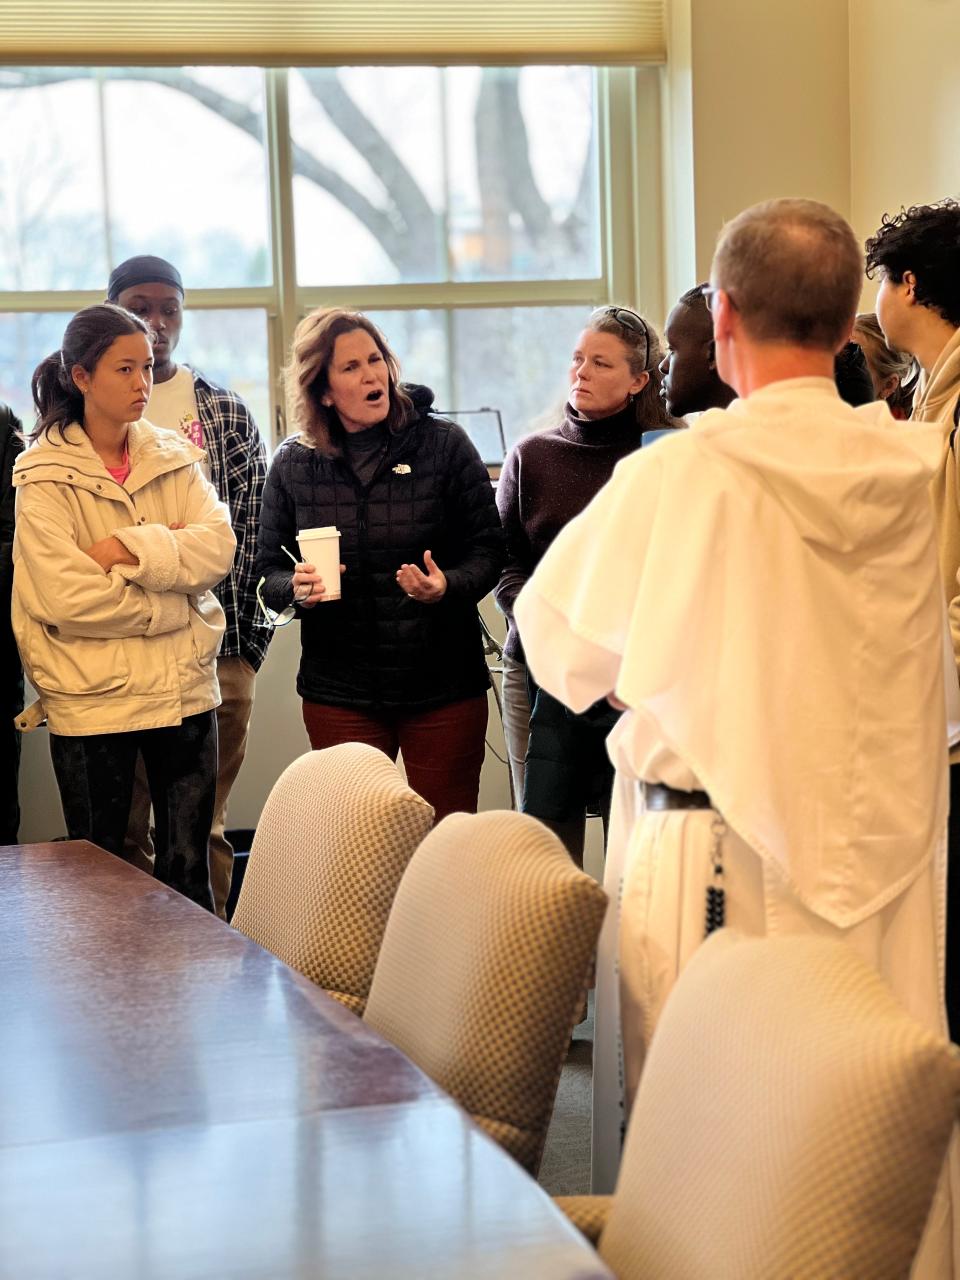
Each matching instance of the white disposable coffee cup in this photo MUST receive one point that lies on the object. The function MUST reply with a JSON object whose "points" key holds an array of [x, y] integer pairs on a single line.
{"points": [[321, 548]]}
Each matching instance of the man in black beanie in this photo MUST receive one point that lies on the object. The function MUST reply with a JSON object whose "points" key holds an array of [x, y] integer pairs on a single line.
{"points": [[218, 422]]}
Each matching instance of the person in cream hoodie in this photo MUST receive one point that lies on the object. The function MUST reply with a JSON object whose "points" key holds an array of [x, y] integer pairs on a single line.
{"points": [[119, 541], [916, 255]]}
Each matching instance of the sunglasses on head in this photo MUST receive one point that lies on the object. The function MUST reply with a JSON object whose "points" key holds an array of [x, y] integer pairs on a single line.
{"points": [[630, 320]]}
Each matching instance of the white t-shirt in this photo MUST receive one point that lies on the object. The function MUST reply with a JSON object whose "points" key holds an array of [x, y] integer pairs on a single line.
{"points": [[173, 405]]}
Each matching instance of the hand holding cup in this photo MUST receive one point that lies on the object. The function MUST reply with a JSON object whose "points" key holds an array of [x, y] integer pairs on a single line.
{"points": [[308, 586], [320, 567]]}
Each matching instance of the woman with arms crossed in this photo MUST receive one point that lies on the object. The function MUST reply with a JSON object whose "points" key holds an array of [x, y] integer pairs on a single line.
{"points": [[119, 539], [397, 661]]}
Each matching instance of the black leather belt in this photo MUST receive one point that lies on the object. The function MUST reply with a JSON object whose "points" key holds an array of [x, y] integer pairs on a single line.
{"points": [[657, 795]]}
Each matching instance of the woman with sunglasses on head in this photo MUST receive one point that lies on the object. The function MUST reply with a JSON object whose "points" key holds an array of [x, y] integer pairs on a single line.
{"points": [[119, 540], [895, 374], [396, 659], [559, 766]]}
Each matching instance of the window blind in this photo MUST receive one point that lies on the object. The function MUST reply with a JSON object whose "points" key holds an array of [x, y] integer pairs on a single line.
{"points": [[330, 32]]}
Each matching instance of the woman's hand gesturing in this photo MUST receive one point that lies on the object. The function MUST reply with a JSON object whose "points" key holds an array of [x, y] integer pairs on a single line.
{"points": [[427, 587]]}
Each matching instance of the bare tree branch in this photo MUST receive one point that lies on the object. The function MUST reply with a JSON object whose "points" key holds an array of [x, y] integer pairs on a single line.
{"points": [[376, 220], [410, 208], [581, 214], [506, 148], [406, 225]]}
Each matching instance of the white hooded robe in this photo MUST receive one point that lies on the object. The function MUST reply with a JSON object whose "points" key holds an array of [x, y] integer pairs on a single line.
{"points": [[762, 592]]}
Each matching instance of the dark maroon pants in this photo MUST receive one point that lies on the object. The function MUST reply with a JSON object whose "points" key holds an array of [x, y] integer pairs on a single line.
{"points": [[442, 749]]}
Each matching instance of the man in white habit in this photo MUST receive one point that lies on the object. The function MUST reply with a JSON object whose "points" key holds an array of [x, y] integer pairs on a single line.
{"points": [[761, 593]]}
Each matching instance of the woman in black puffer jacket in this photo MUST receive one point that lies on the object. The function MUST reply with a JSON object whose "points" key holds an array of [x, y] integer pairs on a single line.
{"points": [[398, 660]]}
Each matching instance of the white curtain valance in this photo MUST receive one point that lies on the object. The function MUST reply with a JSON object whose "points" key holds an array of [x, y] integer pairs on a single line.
{"points": [[329, 32]]}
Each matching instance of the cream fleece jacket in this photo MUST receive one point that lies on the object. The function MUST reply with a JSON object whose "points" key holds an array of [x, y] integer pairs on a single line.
{"points": [[936, 401], [134, 648]]}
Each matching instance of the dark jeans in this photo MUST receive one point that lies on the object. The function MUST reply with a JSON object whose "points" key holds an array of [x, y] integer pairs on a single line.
{"points": [[95, 777], [568, 773], [952, 985]]}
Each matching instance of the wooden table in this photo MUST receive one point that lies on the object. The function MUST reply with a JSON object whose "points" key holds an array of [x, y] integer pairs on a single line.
{"points": [[176, 1103]]}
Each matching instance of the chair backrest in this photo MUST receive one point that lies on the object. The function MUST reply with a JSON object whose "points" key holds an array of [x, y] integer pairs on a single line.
{"points": [[791, 1121], [334, 838], [483, 964]]}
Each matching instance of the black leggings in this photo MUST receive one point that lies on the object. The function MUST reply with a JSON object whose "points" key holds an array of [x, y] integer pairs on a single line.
{"points": [[95, 777], [568, 772]]}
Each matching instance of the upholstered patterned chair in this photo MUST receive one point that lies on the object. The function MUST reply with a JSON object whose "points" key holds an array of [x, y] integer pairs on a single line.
{"points": [[483, 965], [334, 838], [791, 1121]]}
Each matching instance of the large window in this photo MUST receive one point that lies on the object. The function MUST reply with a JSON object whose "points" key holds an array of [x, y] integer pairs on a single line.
{"points": [[463, 208]]}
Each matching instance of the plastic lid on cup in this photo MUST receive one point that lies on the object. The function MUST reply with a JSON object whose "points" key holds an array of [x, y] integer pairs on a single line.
{"points": [[327, 531]]}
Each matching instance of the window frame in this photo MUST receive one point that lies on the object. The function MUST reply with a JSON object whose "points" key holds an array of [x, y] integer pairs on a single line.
{"points": [[631, 236]]}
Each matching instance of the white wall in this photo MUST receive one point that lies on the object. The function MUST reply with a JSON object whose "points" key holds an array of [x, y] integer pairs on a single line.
{"points": [[904, 106], [770, 103], [854, 102]]}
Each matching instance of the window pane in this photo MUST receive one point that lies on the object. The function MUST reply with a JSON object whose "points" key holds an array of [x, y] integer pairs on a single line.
{"points": [[511, 359], [515, 360], [24, 341], [98, 165], [51, 187], [368, 159], [187, 172], [523, 173], [419, 341], [464, 173], [230, 347]]}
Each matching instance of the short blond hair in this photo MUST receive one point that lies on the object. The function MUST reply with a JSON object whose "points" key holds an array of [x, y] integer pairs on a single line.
{"points": [[794, 271], [885, 362]]}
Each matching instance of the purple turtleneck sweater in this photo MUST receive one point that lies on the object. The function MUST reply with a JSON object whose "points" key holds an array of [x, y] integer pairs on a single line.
{"points": [[547, 479]]}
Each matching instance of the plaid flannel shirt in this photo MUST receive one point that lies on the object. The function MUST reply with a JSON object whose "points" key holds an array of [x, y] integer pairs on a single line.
{"points": [[238, 467]]}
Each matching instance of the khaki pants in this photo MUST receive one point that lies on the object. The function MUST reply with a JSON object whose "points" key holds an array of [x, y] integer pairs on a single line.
{"points": [[237, 679]]}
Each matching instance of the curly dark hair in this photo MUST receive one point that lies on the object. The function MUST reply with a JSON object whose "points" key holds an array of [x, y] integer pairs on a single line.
{"points": [[924, 239]]}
